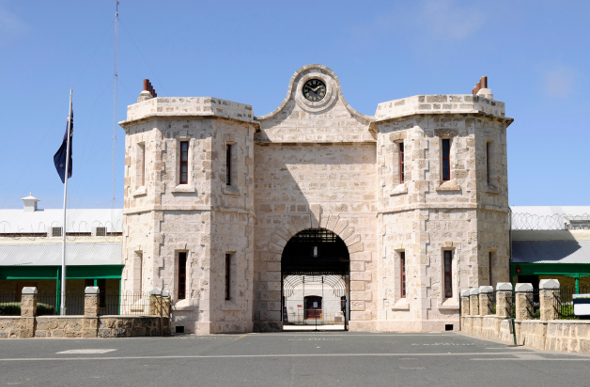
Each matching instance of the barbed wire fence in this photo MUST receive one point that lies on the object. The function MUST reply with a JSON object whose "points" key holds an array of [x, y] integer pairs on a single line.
{"points": [[527, 221], [75, 230]]}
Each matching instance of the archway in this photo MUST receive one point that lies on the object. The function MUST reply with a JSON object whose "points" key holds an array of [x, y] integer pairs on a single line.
{"points": [[315, 268]]}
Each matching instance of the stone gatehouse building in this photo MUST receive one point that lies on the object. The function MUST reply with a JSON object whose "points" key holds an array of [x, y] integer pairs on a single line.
{"points": [[405, 207]]}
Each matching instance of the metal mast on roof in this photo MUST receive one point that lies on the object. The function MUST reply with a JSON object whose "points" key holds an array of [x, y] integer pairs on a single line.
{"points": [[115, 78]]}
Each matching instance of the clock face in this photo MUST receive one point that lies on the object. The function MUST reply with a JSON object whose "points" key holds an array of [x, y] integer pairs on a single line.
{"points": [[314, 90]]}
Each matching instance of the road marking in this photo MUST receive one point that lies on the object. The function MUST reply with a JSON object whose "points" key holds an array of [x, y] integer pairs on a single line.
{"points": [[509, 356], [526, 356], [85, 351], [238, 338]]}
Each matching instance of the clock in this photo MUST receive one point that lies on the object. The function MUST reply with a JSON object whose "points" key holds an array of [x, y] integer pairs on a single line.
{"points": [[314, 90]]}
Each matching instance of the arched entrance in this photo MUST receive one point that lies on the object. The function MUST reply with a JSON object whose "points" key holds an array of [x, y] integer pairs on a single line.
{"points": [[315, 268]]}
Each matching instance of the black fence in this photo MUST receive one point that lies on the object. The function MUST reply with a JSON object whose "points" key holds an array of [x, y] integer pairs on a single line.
{"points": [[564, 302], [117, 304], [47, 304], [126, 304], [492, 302], [9, 304], [534, 306]]}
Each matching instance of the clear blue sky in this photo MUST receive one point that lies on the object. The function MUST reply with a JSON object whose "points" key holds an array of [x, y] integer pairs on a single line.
{"points": [[536, 55]]}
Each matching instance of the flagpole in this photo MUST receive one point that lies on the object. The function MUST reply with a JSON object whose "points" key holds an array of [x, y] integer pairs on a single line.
{"points": [[62, 306]]}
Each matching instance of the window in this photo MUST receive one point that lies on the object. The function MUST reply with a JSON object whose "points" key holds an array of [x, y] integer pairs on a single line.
{"points": [[489, 162], [181, 275], [56, 231], [101, 231], [448, 265], [446, 163], [402, 265], [491, 266], [228, 276], [183, 162], [140, 165], [140, 270], [401, 163], [228, 165]]}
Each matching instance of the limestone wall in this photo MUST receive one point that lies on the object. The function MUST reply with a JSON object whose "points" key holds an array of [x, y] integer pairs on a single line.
{"points": [[555, 335], [441, 104], [188, 106], [424, 215], [290, 183], [204, 217]]}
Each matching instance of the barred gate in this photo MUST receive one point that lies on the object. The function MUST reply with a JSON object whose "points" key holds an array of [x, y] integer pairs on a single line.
{"points": [[315, 300]]}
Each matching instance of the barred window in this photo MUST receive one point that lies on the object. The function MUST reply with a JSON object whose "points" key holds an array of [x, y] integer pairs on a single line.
{"points": [[181, 275], [183, 162], [228, 165], [401, 163], [446, 161], [402, 264], [448, 266], [228, 276]]}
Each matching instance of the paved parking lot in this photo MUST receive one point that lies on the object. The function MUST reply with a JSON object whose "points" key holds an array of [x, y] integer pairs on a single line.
{"points": [[286, 359]]}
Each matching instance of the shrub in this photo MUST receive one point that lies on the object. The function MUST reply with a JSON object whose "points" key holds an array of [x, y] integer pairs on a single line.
{"points": [[45, 309], [10, 309], [13, 309]]}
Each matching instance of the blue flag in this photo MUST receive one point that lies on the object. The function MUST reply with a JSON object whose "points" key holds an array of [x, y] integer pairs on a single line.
{"points": [[59, 159]]}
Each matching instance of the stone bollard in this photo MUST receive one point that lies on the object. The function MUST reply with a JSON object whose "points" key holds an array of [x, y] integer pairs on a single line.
{"points": [[28, 302], [524, 300], [28, 310], [485, 299], [91, 298], [154, 303], [548, 292], [465, 302], [91, 309], [474, 301], [504, 300]]}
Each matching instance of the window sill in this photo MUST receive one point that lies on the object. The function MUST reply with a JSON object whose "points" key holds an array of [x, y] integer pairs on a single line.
{"points": [[183, 188], [140, 191], [230, 190], [184, 305], [401, 304], [230, 305], [400, 189], [449, 186], [492, 190]]}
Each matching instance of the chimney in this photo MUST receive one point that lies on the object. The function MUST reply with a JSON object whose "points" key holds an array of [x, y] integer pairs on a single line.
{"points": [[30, 203]]}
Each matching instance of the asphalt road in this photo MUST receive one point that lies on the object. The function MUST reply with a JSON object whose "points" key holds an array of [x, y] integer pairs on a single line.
{"points": [[287, 359]]}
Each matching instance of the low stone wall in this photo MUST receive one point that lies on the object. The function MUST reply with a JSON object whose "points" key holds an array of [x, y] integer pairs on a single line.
{"points": [[547, 333], [83, 326], [91, 325]]}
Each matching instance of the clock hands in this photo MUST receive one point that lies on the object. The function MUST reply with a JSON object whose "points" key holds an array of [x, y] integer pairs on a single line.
{"points": [[314, 90]]}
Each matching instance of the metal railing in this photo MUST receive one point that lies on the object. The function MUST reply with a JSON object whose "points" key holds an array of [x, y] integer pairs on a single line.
{"points": [[117, 304], [564, 302], [125, 304], [492, 302], [47, 304], [9, 305], [313, 317]]}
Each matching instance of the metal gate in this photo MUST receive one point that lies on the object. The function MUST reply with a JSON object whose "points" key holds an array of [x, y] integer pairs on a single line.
{"points": [[315, 301]]}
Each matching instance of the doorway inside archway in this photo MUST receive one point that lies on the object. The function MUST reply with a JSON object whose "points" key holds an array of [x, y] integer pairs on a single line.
{"points": [[315, 268]]}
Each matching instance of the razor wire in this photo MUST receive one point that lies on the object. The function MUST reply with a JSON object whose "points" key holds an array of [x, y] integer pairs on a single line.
{"points": [[560, 221], [74, 230]]}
